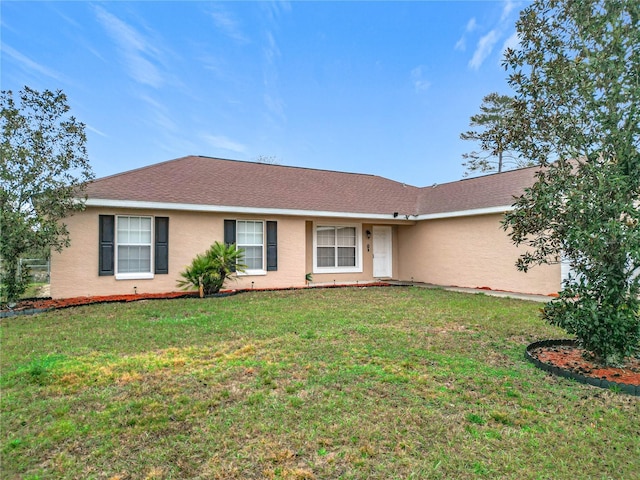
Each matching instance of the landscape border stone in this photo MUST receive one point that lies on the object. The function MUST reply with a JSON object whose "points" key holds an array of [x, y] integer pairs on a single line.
{"points": [[566, 373]]}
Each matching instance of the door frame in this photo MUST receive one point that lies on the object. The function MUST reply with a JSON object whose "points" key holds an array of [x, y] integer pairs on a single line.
{"points": [[388, 239]]}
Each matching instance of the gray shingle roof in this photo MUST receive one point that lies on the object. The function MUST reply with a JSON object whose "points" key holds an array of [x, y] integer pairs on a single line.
{"points": [[196, 180]]}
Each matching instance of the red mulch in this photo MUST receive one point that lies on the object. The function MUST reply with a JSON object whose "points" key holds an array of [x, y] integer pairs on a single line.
{"points": [[46, 304], [572, 358]]}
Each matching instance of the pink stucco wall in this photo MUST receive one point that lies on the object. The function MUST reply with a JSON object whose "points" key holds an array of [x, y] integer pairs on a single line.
{"points": [[465, 251], [74, 272], [470, 252]]}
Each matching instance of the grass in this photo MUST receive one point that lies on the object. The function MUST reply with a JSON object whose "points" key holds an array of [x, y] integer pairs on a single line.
{"points": [[324, 383]]}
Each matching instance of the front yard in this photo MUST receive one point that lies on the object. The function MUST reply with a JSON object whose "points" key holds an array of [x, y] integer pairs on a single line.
{"points": [[323, 383]]}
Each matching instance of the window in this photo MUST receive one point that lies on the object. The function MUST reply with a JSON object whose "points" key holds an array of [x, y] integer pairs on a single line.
{"points": [[133, 247], [133, 256], [250, 238], [337, 249], [260, 245]]}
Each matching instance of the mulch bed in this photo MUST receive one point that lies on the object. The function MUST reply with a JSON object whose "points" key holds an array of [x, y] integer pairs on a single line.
{"points": [[35, 305], [41, 304], [564, 356]]}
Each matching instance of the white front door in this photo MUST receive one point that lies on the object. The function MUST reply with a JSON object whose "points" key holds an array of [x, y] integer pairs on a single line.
{"points": [[382, 252]]}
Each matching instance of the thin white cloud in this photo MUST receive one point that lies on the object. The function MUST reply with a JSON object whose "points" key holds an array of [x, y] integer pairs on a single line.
{"points": [[213, 64], [461, 44], [138, 52], [160, 116], [483, 49], [274, 10], [487, 42], [145, 71], [513, 42], [71, 21], [220, 141], [271, 51], [275, 105], [96, 131], [508, 7], [417, 78], [30, 65], [176, 146], [227, 24]]}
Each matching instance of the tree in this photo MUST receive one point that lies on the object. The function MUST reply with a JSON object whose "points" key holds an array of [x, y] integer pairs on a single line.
{"points": [[43, 172], [267, 159], [577, 114], [492, 133], [210, 270]]}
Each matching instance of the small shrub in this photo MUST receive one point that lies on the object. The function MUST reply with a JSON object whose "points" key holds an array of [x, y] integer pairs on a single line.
{"points": [[209, 271]]}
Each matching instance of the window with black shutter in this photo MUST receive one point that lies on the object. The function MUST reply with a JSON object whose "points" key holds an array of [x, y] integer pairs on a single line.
{"points": [[272, 246], [106, 245], [162, 245], [249, 235]]}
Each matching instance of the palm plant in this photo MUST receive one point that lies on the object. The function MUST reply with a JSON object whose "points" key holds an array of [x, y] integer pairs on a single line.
{"points": [[209, 271]]}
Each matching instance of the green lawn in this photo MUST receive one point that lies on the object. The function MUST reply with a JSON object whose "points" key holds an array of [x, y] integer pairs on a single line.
{"points": [[322, 383]]}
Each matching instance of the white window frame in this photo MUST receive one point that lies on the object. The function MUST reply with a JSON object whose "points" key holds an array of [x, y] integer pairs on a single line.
{"points": [[254, 271], [134, 275], [355, 269]]}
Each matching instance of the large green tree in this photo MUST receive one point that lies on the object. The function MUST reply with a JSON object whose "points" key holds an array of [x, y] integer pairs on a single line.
{"points": [[491, 131], [576, 74], [43, 172]]}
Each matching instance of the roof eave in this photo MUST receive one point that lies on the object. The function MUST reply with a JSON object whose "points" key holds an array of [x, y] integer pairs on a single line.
{"points": [[135, 204], [465, 213]]}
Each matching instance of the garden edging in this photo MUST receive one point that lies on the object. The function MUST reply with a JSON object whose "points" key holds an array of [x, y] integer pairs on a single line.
{"points": [[566, 373]]}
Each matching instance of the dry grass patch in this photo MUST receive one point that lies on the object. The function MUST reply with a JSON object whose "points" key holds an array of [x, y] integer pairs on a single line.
{"points": [[350, 383]]}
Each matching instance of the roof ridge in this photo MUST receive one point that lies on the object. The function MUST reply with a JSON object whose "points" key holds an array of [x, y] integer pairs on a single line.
{"points": [[490, 174], [144, 167], [154, 165]]}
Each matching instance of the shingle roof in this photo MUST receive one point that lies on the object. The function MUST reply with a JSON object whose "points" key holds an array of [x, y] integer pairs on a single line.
{"points": [[212, 181], [196, 180], [494, 190]]}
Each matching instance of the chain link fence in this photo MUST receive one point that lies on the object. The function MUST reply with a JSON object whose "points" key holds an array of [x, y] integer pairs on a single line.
{"points": [[39, 268]]}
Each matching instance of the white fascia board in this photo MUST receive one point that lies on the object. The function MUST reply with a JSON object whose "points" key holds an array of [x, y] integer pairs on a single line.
{"points": [[465, 213], [99, 202]]}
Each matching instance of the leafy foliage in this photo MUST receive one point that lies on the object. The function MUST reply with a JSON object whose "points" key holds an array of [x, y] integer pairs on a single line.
{"points": [[43, 172], [577, 114], [492, 133], [209, 271]]}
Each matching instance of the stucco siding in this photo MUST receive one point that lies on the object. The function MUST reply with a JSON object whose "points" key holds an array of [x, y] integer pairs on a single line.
{"points": [[466, 251], [470, 252], [74, 272], [366, 256]]}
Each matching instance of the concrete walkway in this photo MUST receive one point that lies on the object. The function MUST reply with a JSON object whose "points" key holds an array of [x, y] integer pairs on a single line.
{"points": [[493, 293]]}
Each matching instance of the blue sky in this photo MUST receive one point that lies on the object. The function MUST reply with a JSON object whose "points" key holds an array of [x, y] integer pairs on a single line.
{"points": [[383, 88]]}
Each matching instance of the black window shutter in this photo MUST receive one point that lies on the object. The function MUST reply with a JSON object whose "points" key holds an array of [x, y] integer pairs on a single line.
{"points": [[230, 234], [272, 246], [106, 244], [162, 245]]}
